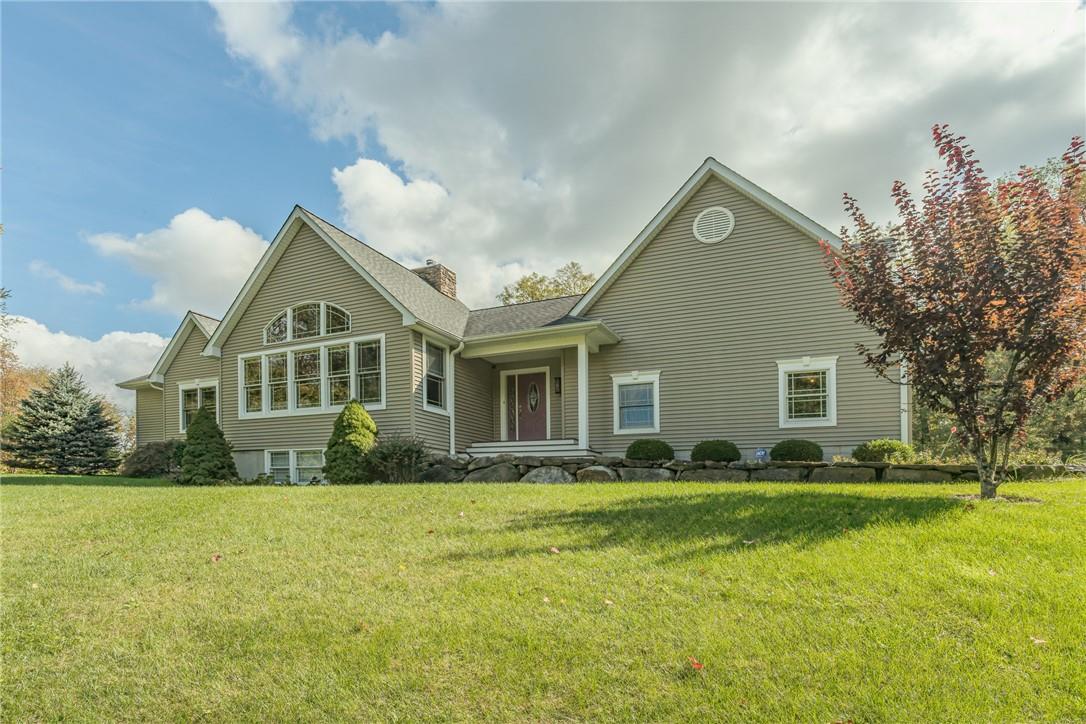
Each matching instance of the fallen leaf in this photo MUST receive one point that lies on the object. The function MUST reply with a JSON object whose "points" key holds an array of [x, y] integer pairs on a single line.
{"points": [[554, 549], [608, 602], [747, 542], [33, 585], [546, 599], [461, 514], [216, 558], [991, 572], [430, 532], [695, 664], [1037, 641]]}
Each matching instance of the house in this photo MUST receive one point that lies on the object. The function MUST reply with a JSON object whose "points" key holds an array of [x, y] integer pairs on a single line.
{"points": [[718, 321]]}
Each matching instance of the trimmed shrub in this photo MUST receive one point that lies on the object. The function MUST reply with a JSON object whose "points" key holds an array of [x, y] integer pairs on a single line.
{"points": [[649, 450], [352, 438], [797, 451], [154, 460], [207, 459], [884, 450], [720, 451], [397, 459]]}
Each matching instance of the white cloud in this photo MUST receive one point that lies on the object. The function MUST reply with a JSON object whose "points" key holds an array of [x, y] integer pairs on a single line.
{"points": [[44, 271], [197, 262], [111, 358], [525, 135]]}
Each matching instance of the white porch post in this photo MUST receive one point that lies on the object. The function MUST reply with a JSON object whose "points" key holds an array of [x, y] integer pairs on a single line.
{"points": [[582, 395]]}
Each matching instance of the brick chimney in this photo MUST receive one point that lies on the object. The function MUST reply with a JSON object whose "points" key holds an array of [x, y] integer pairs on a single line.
{"points": [[439, 276]]}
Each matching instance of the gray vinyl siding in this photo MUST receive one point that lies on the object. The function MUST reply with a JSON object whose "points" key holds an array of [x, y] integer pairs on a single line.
{"points": [[474, 402], [310, 270], [149, 416], [569, 393], [432, 427], [714, 318], [554, 400], [189, 365]]}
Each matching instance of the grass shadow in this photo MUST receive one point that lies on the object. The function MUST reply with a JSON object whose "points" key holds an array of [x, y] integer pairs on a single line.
{"points": [[683, 526], [109, 481]]}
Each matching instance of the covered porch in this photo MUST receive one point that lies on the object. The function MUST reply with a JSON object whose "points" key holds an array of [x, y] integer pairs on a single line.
{"points": [[538, 385]]}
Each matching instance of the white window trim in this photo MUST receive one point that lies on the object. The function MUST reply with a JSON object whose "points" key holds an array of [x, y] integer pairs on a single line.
{"points": [[323, 322], [630, 378], [325, 406], [807, 364], [293, 462], [195, 385], [502, 377], [445, 389]]}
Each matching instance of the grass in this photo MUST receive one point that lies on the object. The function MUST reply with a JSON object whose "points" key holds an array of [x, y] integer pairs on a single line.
{"points": [[128, 600]]}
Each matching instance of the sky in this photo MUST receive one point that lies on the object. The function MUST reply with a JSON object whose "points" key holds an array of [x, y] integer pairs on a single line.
{"points": [[150, 151]]}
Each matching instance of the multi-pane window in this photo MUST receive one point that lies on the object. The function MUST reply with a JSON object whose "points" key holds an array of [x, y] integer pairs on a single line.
{"points": [[312, 380], [305, 321], [335, 320], [193, 397], [307, 465], [339, 374], [636, 400], [369, 372], [277, 381], [307, 378], [296, 466], [807, 392], [254, 385], [808, 395], [636, 408], [279, 466], [435, 375]]}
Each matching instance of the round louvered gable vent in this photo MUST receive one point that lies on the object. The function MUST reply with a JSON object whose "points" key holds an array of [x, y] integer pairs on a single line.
{"points": [[714, 224]]}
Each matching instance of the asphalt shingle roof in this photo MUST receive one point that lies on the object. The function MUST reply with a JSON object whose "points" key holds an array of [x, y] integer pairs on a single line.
{"points": [[207, 324], [517, 317]]}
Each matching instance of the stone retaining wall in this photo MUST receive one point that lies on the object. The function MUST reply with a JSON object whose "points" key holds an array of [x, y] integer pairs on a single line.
{"points": [[529, 469]]}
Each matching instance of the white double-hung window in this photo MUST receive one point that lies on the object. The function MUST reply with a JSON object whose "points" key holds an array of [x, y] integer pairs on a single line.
{"points": [[636, 402], [807, 392], [314, 378], [193, 396], [294, 466]]}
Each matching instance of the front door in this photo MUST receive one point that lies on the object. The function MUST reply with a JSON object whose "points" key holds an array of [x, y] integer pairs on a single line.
{"points": [[526, 406]]}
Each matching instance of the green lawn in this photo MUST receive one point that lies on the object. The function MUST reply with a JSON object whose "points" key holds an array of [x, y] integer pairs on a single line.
{"points": [[129, 600]]}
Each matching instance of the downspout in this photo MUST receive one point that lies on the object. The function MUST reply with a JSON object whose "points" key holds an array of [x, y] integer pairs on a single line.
{"points": [[452, 398]]}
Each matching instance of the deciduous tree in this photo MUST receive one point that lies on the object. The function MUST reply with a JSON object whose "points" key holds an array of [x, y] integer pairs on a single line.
{"points": [[980, 292], [567, 280]]}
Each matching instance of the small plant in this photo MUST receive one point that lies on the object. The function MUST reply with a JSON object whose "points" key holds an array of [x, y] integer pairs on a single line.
{"points": [[207, 459], [650, 450], [396, 458], [884, 450], [353, 436], [720, 451], [154, 460], [797, 451]]}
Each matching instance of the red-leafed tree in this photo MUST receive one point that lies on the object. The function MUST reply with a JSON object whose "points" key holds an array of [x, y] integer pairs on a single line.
{"points": [[980, 291]]}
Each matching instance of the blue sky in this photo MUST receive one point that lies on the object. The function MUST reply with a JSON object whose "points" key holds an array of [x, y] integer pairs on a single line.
{"points": [[151, 150]]}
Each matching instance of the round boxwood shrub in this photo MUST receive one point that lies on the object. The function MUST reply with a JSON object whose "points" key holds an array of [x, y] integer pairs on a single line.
{"points": [[720, 451], [884, 451], [649, 450], [797, 450]]}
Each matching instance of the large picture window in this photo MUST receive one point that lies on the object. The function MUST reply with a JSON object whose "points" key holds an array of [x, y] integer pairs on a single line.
{"points": [[434, 365], [193, 396], [313, 379], [305, 321], [807, 392], [636, 400]]}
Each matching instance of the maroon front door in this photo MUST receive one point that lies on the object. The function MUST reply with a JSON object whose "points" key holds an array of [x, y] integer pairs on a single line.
{"points": [[526, 403]]}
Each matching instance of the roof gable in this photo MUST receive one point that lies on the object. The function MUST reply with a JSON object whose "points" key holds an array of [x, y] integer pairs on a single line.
{"points": [[202, 323], [710, 168]]}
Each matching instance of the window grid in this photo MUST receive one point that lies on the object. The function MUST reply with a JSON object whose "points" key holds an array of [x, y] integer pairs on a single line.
{"points": [[254, 387], [195, 397], [307, 378], [295, 466], [307, 320], [369, 372], [808, 395], [434, 359], [636, 408]]}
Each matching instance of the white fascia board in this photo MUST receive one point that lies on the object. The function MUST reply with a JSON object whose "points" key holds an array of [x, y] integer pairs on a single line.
{"points": [[710, 167]]}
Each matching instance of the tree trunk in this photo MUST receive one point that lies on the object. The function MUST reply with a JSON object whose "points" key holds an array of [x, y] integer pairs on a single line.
{"points": [[988, 488]]}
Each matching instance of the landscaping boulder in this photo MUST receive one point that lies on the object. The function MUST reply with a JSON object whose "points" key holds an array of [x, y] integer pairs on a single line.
{"points": [[715, 475], [779, 474], [441, 474], [547, 474], [851, 474], [500, 473], [895, 474], [648, 475], [596, 474]]}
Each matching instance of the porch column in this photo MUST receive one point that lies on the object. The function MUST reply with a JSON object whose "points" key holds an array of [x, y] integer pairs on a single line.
{"points": [[582, 395]]}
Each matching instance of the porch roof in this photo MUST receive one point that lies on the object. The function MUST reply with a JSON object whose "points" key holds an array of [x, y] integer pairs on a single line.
{"points": [[568, 332]]}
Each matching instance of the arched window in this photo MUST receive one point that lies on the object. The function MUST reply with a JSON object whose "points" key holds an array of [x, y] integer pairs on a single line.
{"points": [[307, 320]]}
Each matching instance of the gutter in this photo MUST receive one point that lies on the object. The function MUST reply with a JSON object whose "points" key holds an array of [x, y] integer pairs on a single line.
{"points": [[452, 398]]}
